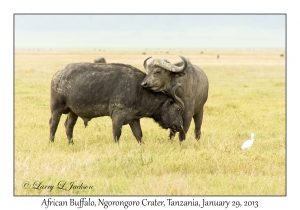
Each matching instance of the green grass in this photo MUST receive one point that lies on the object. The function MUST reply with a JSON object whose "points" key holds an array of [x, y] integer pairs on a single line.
{"points": [[243, 98]]}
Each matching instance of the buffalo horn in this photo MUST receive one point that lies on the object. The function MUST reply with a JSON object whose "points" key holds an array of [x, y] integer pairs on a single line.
{"points": [[171, 67], [179, 69], [175, 97], [145, 65]]}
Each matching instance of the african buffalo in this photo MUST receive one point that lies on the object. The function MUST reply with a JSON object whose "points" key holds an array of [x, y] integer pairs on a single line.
{"points": [[162, 76], [90, 90], [99, 60]]}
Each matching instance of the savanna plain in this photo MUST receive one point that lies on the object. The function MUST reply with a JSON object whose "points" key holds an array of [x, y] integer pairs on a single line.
{"points": [[247, 94]]}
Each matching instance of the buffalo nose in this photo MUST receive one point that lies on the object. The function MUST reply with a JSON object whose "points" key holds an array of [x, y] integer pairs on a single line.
{"points": [[144, 84]]}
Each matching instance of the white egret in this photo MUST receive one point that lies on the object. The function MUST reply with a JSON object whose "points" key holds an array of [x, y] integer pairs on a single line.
{"points": [[247, 144]]}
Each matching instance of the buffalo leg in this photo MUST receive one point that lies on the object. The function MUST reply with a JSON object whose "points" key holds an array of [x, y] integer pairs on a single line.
{"points": [[117, 121], [198, 122], [136, 130], [54, 120], [172, 134], [69, 124], [186, 124]]}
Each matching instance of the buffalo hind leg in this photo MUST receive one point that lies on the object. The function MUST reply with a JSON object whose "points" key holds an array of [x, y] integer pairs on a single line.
{"points": [[198, 122], [136, 130], [54, 120], [69, 124]]}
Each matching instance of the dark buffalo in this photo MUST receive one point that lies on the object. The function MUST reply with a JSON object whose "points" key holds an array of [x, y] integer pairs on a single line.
{"points": [[99, 60], [90, 90], [162, 76]]}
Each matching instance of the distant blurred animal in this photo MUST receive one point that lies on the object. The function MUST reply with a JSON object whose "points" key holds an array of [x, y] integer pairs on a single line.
{"points": [[99, 60], [218, 56], [281, 55], [247, 144]]}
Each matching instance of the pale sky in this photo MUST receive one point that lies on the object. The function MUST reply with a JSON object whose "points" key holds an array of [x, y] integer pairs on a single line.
{"points": [[150, 31]]}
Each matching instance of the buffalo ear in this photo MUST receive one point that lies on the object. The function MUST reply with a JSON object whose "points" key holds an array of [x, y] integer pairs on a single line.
{"points": [[178, 74], [170, 102]]}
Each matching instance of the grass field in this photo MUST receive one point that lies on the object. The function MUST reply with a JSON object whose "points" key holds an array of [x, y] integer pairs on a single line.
{"points": [[247, 94]]}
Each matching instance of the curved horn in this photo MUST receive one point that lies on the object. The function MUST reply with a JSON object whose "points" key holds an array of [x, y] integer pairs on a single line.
{"points": [[179, 69], [175, 97], [145, 64]]}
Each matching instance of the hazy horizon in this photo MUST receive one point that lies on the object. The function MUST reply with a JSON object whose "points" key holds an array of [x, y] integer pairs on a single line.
{"points": [[166, 32]]}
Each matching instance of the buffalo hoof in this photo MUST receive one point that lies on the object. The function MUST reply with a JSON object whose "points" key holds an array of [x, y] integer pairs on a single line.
{"points": [[71, 142], [197, 135], [182, 136]]}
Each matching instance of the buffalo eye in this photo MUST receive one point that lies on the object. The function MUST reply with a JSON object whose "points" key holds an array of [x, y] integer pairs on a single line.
{"points": [[157, 72], [178, 109]]}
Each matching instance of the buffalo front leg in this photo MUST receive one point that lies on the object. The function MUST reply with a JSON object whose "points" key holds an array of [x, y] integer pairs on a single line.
{"points": [[198, 122], [69, 124], [136, 130], [172, 134], [187, 118], [117, 123], [54, 120]]}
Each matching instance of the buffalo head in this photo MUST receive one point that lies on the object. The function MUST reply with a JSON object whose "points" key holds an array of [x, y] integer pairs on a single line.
{"points": [[170, 116], [160, 74]]}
